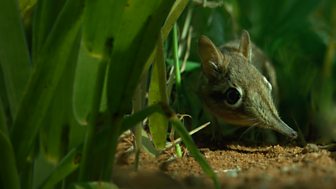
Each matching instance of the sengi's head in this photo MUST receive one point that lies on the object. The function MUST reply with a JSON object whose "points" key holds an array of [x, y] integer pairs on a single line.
{"points": [[234, 90]]}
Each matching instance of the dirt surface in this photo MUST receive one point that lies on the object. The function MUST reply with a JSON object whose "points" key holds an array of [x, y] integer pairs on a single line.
{"points": [[237, 166]]}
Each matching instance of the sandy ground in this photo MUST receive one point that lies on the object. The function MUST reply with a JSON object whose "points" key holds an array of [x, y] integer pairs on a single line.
{"points": [[237, 166]]}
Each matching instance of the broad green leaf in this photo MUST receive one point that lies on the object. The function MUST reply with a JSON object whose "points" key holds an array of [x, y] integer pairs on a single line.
{"points": [[49, 67], [14, 57], [158, 123], [59, 114], [117, 27], [132, 46], [9, 176], [52, 132], [87, 74], [100, 17]]}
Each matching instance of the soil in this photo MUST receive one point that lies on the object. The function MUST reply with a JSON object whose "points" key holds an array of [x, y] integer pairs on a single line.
{"points": [[237, 166]]}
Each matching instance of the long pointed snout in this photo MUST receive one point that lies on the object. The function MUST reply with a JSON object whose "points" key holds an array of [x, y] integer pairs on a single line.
{"points": [[283, 128]]}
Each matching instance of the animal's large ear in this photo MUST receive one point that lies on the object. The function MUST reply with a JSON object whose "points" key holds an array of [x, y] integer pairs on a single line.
{"points": [[245, 45], [211, 57]]}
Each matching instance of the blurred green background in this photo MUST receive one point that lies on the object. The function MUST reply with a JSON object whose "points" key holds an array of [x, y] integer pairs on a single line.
{"points": [[298, 36]]}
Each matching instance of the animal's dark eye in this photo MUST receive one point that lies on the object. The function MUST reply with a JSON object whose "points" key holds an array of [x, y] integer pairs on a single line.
{"points": [[232, 96]]}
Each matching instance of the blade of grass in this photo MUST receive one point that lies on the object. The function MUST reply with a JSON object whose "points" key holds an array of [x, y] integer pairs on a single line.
{"points": [[158, 124], [139, 101], [180, 129], [50, 65], [173, 15], [43, 22], [56, 120], [130, 121], [9, 177], [177, 66], [100, 18], [87, 72], [14, 56], [86, 166], [123, 78], [99, 22], [68, 165], [179, 140], [171, 116], [140, 42]]}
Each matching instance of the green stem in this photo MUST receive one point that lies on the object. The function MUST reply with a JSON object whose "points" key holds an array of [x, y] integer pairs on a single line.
{"points": [[89, 138], [181, 130], [176, 57], [188, 141], [130, 121], [138, 104], [113, 136]]}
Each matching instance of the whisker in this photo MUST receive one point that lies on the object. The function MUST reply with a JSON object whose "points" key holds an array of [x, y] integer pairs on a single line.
{"points": [[246, 131]]}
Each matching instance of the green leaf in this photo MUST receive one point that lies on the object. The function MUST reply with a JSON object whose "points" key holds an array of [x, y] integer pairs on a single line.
{"points": [[190, 65], [130, 121], [49, 67], [158, 123], [94, 56], [59, 114], [43, 23], [132, 46], [102, 19], [9, 177], [94, 53], [86, 81], [14, 57], [173, 15], [105, 31], [68, 165]]}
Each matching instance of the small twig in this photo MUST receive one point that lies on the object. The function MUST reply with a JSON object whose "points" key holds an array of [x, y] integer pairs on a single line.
{"points": [[177, 141], [187, 53]]}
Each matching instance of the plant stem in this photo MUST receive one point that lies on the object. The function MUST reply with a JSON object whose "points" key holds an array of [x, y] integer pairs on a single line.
{"points": [[89, 138], [176, 58]]}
